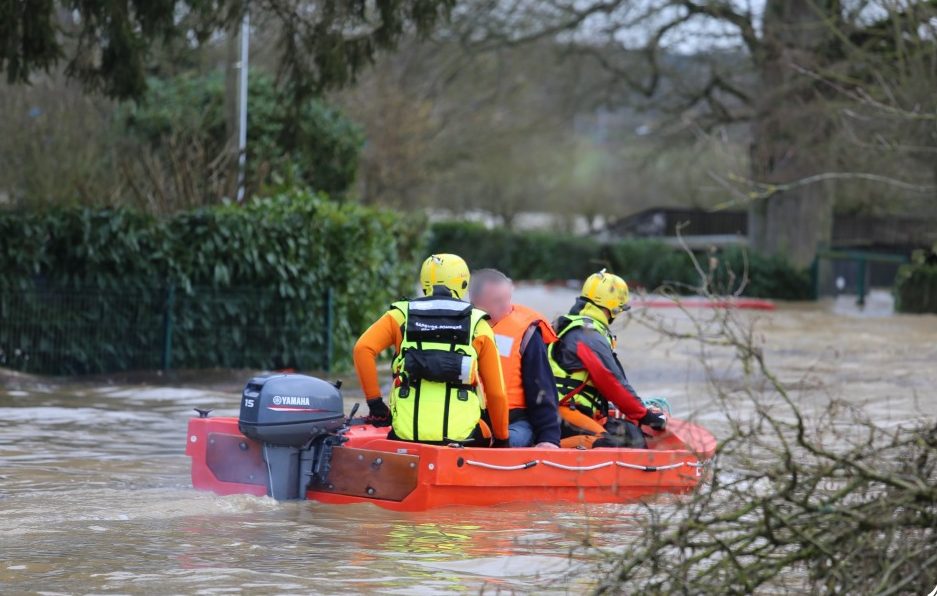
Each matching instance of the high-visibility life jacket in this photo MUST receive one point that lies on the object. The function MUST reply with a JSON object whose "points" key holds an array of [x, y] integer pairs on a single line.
{"points": [[510, 333], [575, 386], [435, 396]]}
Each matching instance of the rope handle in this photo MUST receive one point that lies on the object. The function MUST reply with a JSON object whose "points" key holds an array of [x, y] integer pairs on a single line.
{"points": [[598, 466]]}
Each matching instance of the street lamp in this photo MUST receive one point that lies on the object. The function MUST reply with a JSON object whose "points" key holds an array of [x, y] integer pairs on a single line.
{"points": [[242, 102]]}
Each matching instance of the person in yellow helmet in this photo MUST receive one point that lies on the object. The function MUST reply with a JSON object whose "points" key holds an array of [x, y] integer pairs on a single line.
{"points": [[588, 374], [443, 349]]}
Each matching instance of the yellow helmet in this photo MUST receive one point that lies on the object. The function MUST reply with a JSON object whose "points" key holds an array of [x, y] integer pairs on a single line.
{"points": [[445, 270], [607, 290]]}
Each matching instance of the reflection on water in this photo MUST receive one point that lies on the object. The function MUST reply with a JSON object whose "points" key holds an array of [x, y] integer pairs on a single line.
{"points": [[95, 494]]}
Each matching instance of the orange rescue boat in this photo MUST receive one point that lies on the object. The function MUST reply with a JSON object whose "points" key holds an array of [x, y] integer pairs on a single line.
{"points": [[292, 441]]}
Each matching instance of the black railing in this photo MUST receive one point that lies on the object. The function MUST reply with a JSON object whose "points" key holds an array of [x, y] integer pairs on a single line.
{"points": [[58, 330]]}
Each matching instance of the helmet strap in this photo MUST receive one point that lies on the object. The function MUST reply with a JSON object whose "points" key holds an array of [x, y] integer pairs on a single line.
{"points": [[441, 290], [584, 305]]}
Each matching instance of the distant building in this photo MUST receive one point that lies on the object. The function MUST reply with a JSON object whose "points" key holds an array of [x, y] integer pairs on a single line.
{"points": [[854, 234], [888, 233], [893, 233], [664, 222]]}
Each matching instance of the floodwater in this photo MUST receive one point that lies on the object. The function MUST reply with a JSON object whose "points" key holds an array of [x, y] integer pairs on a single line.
{"points": [[95, 495]]}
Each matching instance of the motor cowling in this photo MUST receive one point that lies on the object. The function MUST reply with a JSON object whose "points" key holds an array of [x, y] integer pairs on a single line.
{"points": [[290, 409], [297, 418]]}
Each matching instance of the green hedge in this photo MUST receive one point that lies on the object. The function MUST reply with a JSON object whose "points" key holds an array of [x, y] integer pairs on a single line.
{"points": [[768, 276], [533, 255], [647, 263], [250, 283], [916, 284]]}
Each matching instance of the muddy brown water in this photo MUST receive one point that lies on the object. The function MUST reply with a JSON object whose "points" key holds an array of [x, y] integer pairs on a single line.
{"points": [[95, 495]]}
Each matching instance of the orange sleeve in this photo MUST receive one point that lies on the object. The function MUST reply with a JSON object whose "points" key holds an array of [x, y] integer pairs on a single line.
{"points": [[383, 334], [489, 369]]}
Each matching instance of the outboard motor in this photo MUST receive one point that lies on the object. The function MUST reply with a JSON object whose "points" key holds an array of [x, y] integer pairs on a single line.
{"points": [[296, 417]]}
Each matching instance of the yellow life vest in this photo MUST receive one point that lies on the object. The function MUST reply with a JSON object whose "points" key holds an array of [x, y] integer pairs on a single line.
{"points": [[575, 387], [435, 396]]}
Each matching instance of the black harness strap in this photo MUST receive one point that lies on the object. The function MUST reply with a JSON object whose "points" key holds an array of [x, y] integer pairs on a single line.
{"points": [[445, 411], [416, 412]]}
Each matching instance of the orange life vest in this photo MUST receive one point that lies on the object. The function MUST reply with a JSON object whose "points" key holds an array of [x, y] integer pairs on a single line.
{"points": [[509, 336]]}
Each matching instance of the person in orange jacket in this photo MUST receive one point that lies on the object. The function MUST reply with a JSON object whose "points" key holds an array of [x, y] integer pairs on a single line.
{"points": [[522, 335], [443, 349]]}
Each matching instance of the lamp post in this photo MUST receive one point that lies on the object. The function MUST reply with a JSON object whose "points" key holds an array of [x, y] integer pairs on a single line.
{"points": [[242, 101]]}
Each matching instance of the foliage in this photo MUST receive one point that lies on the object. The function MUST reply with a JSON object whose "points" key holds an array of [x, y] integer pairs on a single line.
{"points": [[859, 518], [648, 263], [916, 284], [311, 146], [518, 132], [170, 152], [851, 119], [651, 264], [808, 493], [243, 276], [57, 146], [320, 48], [768, 275]]}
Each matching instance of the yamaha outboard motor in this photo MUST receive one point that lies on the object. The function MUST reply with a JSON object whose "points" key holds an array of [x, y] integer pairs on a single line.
{"points": [[296, 418]]}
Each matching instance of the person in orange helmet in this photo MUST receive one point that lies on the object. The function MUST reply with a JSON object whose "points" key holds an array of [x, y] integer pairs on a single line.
{"points": [[444, 348], [522, 336]]}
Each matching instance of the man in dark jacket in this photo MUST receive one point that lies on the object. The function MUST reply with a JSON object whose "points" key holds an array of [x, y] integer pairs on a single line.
{"points": [[589, 377]]}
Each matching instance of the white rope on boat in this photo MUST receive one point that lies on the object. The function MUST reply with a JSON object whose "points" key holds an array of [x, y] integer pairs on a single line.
{"points": [[697, 464], [649, 468], [598, 466], [482, 464], [576, 468]]}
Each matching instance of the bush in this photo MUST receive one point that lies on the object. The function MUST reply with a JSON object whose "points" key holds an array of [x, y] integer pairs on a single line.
{"points": [[768, 276], [651, 264], [250, 283], [314, 146], [916, 284], [647, 263], [791, 503]]}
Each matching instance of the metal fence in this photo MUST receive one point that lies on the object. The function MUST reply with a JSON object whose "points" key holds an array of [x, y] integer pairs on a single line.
{"points": [[56, 330], [853, 272]]}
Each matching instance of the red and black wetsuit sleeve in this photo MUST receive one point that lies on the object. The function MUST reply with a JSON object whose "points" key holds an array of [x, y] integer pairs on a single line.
{"points": [[540, 398], [605, 372]]}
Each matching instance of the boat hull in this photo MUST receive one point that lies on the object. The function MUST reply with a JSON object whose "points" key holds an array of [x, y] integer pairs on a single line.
{"points": [[414, 477]]}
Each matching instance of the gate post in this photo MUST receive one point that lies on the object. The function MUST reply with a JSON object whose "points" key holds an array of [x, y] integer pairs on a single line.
{"points": [[327, 364], [167, 326], [863, 267]]}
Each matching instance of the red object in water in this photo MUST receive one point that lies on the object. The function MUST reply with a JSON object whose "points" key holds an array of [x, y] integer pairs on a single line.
{"points": [[742, 303], [226, 462]]}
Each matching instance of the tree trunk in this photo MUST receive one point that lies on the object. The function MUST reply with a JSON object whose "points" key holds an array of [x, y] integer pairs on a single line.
{"points": [[793, 225], [791, 130]]}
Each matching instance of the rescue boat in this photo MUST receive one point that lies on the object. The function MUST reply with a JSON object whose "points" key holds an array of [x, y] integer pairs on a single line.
{"points": [[292, 441]]}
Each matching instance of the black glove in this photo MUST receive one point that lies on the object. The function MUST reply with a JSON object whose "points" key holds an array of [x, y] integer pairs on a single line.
{"points": [[501, 443], [655, 420], [378, 412]]}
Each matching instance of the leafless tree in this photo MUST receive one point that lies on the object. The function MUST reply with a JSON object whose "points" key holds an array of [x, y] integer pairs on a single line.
{"points": [[804, 496], [769, 66]]}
